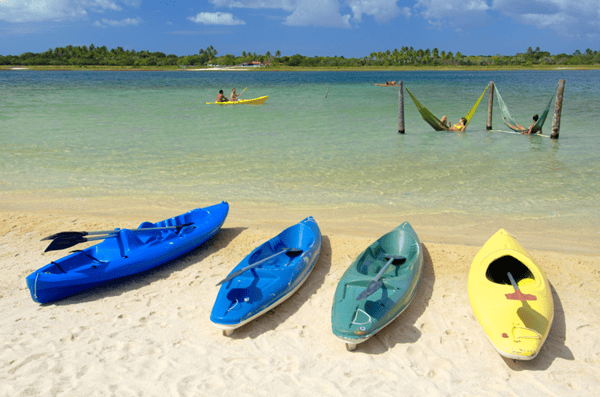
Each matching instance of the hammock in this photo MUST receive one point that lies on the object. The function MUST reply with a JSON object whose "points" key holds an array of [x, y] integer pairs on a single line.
{"points": [[513, 125], [434, 121]]}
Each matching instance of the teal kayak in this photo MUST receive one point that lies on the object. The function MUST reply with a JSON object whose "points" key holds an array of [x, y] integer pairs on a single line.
{"points": [[378, 286]]}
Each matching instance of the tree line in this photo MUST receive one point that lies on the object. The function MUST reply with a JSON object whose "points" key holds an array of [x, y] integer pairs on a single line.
{"points": [[406, 56]]}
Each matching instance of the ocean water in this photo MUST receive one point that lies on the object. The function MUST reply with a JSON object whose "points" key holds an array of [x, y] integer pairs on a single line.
{"points": [[323, 140]]}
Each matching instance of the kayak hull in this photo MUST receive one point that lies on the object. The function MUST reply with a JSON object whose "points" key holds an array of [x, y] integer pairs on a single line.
{"points": [[516, 328], [126, 254], [355, 321], [259, 289], [253, 101]]}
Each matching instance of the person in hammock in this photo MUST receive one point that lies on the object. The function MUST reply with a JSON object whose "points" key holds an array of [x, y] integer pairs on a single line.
{"points": [[530, 130], [460, 127]]}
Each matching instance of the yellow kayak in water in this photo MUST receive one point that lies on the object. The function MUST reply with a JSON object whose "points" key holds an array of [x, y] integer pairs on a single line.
{"points": [[256, 101], [510, 297]]}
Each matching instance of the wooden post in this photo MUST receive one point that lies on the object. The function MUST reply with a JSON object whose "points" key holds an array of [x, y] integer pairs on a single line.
{"points": [[557, 109], [400, 107], [490, 106]]}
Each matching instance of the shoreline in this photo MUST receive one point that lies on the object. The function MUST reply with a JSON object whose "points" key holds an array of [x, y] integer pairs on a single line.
{"points": [[441, 227], [151, 333], [176, 68]]}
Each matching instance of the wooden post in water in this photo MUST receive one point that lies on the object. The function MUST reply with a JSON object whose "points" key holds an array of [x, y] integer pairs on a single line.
{"points": [[490, 106], [400, 107], [557, 109]]}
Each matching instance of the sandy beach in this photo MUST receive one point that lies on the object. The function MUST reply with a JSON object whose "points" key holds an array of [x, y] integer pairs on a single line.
{"points": [[150, 335]]}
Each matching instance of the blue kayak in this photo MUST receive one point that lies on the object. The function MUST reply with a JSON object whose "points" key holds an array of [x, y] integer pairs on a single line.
{"points": [[126, 253], [269, 275]]}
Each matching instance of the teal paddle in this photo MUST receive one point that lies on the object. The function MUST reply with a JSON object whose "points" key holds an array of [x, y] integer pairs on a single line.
{"points": [[518, 295], [376, 283], [291, 252]]}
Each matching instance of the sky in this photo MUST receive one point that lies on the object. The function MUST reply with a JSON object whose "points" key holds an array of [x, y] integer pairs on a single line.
{"points": [[349, 28]]}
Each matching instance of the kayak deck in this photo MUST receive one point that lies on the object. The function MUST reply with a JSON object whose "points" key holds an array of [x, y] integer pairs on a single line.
{"points": [[253, 101]]}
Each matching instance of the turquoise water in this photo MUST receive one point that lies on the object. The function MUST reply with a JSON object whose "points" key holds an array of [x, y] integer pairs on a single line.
{"points": [[149, 135]]}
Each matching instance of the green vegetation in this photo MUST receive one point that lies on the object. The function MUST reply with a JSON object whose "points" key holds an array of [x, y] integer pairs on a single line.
{"points": [[71, 57]]}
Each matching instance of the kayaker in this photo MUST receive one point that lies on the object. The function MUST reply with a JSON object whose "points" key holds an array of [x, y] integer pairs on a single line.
{"points": [[234, 96], [461, 126], [221, 97]]}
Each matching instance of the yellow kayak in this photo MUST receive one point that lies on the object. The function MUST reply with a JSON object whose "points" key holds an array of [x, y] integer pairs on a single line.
{"points": [[255, 101], [510, 297]]}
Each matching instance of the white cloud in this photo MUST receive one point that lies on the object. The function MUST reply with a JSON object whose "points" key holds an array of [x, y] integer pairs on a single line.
{"points": [[107, 5], [459, 14], [216, 18], [124, 22], [287, 5], [19, 11], [575, 19], [35, 10], [381, 10], [318, 13]]}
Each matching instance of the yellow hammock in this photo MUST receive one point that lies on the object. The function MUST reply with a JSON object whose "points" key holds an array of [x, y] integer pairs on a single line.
{"points": [[434, 121]]}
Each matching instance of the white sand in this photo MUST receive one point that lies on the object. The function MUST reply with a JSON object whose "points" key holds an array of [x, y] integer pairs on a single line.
{"points": [[151, 335]]}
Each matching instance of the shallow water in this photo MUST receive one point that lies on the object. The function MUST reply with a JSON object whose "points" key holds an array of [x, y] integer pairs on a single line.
{"points": [[324, 140]]}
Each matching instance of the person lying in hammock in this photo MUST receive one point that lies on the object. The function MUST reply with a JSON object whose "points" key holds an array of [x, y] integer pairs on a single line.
{"points": [[461, 126], [530, 130]]}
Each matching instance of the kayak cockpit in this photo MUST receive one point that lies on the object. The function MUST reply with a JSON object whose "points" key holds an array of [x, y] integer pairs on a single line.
{"points": [[497, 271]]}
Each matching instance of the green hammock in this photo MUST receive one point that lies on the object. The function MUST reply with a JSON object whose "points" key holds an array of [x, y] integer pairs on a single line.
{"points": [[434, 121], [510, 121]]}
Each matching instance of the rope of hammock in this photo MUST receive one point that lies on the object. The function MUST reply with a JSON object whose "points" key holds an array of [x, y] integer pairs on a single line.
{"points": [[434, 121], [510, 121]]}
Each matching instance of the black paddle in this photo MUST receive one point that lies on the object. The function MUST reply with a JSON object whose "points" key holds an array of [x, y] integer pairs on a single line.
{"points": [[292, 252], [65, 240], [377, 283], [82, 234]]}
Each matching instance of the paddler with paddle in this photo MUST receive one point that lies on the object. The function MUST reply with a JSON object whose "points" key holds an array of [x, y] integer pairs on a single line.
{"points": [[234, 96]]}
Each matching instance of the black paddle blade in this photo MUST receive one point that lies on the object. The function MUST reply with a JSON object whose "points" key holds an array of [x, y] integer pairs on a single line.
{"points": [[371, 289], [62, 243], [64, 235]]}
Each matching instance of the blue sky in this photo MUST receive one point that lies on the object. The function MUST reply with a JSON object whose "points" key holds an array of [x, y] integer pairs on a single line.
{"points": [[349, 28]]}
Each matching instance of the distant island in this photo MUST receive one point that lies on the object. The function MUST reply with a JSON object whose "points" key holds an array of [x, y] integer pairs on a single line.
{"points": [[92, 57]]}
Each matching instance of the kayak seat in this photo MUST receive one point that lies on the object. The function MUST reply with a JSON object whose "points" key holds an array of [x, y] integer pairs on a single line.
{"points": [[370, 257], [249, 295], [128, 241]]}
